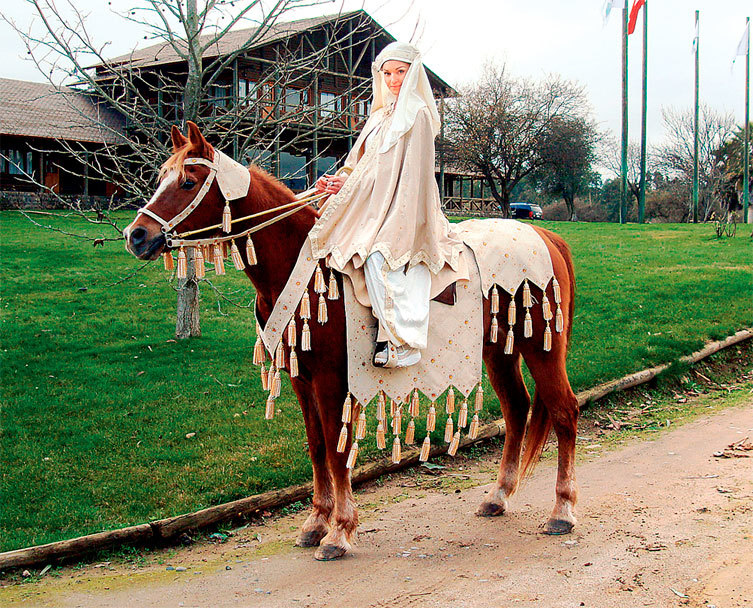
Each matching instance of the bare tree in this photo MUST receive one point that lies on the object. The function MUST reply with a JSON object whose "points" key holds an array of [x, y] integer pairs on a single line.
{"points": [[675, 157], [498, 125], [610, 157], [251, 119]]}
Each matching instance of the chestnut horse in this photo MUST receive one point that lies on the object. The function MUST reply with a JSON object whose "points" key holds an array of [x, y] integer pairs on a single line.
{"points": [[321, 385]]}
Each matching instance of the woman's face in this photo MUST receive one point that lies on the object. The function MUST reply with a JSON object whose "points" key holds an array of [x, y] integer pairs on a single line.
{"points": [[394, 73]]}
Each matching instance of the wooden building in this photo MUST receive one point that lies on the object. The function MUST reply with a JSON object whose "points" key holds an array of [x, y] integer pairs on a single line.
{"points": [[37, 123]]}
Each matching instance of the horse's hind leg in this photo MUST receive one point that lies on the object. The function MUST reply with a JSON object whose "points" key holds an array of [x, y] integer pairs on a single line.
{"points": [[317, 525], [507, 380], [555, 403]]}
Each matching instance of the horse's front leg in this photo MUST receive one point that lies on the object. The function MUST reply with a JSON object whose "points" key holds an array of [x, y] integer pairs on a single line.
{"points": [[317, 525], [330, 392]]}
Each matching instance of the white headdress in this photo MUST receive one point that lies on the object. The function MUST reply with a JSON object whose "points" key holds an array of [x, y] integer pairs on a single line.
{"points": [[415, 92]]}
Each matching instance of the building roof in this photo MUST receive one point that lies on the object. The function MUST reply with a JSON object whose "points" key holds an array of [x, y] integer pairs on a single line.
{"points": [[164, 54], [33, 109]]}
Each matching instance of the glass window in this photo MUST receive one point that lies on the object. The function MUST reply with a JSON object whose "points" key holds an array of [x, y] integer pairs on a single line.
{"points": [[218, 95], [293, 170], [327, 101], [293, 98]]}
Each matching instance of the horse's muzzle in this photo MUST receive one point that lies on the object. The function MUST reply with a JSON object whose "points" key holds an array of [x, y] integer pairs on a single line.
{"points": [[139, 243]]}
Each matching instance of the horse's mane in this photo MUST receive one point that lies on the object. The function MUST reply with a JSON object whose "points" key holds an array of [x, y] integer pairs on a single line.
{"points": [[177, 159]]}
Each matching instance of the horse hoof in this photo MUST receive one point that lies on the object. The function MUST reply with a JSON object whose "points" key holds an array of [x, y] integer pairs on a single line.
{"points": [[556, 527], [327, 553], [491, 509], [310, 538]]}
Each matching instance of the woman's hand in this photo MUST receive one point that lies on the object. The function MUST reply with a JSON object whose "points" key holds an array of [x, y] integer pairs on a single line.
{"points": [[330, 184]]}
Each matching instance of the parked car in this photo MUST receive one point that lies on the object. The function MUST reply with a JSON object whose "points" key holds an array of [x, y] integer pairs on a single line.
{"points": [[525, 211]]}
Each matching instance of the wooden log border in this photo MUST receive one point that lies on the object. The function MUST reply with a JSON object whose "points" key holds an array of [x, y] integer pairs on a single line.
{"points": [[167, 529]]}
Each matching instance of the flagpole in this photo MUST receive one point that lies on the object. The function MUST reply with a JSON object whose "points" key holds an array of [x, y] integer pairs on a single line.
{"points": [[623, 167], [642, 194], [695, 123], [746, 149]]}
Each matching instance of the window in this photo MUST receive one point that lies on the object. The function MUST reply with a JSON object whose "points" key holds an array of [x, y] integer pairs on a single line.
{"points": [[293, 98], [363, 107], [293, 170], [16, 162], [246, 89], [218, 95], [328, 103]]}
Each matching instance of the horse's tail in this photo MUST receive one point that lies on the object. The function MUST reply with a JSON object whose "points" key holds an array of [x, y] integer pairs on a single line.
{"points": [[540, 424]]}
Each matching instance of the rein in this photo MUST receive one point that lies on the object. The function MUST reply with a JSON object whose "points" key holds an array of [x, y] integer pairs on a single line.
{"points": [[217, 245]]}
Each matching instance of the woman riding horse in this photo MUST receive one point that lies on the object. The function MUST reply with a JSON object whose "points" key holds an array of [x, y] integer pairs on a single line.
{"points": [[387, 217]]}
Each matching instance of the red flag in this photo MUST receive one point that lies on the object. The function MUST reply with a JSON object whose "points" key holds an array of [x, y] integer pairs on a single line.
{"points": [[637, 4]]}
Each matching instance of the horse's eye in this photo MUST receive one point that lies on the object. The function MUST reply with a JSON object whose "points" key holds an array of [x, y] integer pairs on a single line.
{"points": [[188, 184]]}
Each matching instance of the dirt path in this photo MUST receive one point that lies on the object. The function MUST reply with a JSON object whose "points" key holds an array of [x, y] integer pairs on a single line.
{"points": [[662, 523]]}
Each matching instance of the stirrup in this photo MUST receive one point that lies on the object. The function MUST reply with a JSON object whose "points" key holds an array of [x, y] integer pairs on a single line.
{"points": [[385, 355]]}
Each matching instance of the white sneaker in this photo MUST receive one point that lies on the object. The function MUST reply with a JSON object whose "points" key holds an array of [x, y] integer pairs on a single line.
{"points": [[392, 356]]}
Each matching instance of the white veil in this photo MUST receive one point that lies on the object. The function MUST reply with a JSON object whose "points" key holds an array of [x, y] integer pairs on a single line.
{"points": [[415, 92]]}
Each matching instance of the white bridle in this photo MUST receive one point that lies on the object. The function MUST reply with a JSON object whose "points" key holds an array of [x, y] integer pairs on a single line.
{"points": [[179, 240]]}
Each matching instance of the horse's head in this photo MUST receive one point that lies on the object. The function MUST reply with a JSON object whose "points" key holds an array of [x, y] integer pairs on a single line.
{"points": [[181, 184]]}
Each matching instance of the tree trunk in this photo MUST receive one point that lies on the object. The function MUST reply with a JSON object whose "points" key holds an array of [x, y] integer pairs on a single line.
{"points": [[187, 323]]}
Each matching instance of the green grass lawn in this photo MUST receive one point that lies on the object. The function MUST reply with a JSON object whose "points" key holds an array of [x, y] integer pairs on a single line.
{"points": [[97, 398]]}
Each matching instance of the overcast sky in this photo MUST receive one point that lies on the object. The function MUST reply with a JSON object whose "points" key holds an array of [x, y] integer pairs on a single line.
{"points": [[532, 37]]}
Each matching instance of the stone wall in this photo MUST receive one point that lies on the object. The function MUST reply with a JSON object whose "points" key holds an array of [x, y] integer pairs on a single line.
{"points": [[11, 199]]}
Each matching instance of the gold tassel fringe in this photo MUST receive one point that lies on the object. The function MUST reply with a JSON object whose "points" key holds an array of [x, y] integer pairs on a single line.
{"points": [[264, 378], [526, 294], [251, 252], [450, 405], [198, 263], [347, 408], [305, 310], [473, 430], [381, 405], [333, 292], [342, 440], [463, 415], [260, 355], [352, 456], [453, 449], [414, 403], [292, 339], [293, 363], [425, 449], [396, 451], [321, 313], [509, 341], [319, 284], [448, 430], [182, 264], [381, 443], [547, 338], [226, 218], [305, 336], [276, 384], [557, 292], [558, 320], [269, 411], [546, 309], [511, 313], [431, 419], [528, 325], [361, 425], [236, 257], [410, 432], [280, 355], [393, 407], [219, 260], [167, 258], [494, 330], [397, 422], [478, 403], [494, 305]]}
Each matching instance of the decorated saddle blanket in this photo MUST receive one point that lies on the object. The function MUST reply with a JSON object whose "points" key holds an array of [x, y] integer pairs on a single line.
{"points": [[500, 254]]}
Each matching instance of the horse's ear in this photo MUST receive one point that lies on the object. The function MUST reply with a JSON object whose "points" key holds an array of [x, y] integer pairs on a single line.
{"points": [[179, 140], [202, 146]]}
